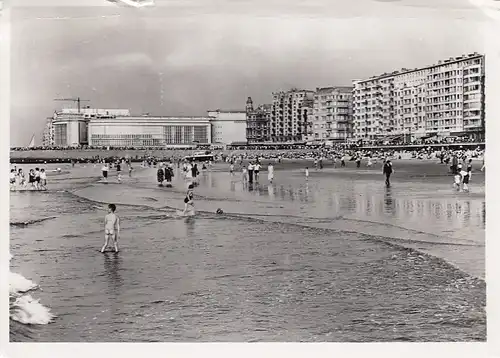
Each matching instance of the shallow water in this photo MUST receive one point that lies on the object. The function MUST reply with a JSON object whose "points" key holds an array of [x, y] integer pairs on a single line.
{"points": [[330, 259]]}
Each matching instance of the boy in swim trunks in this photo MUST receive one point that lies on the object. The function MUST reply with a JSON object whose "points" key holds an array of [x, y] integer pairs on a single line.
{"points": [[111, 227]]}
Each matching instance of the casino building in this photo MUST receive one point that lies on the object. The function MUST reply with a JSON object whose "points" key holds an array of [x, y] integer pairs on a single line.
{"points": [[117, 128], [149, 131]]}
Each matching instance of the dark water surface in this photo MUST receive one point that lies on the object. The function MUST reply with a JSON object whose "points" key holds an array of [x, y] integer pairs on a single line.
{"points": [[330, 259]]}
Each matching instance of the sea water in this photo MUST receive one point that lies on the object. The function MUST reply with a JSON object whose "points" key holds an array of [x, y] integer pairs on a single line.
{"points": [[338, 257]]}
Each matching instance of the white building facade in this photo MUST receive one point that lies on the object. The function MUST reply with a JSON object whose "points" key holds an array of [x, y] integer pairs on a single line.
{"points": [[149, 131], [70, 126], [446, 99], [228, 126], [332, 117]]}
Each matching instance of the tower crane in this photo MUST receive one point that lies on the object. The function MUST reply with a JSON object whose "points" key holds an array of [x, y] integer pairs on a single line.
{"points": [[77, 100]]}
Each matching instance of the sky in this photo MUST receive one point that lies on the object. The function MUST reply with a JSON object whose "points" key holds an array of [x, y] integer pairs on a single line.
{"points": [[186, 57]]}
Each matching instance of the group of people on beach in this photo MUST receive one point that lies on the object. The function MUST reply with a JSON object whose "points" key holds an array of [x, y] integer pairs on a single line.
{"points": [[250, 173], [117, 164], [37, 179]]}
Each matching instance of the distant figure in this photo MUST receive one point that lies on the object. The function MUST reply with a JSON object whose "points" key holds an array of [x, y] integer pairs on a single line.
{"points": [[22, 178], [105, 169], [454, 164], [342, 161], [256, 170], [270, 173], [189, 200], [369, 163], [119, 172], [358, 161], [160, 174], [31, 178], [111, 228], [307, 173], [457, 178], [130, 170], [250, 172], [466, 176], [387, 171], [484, 165], [244, 175], [12, 179], [231, 169], [37, 178], [43, 179]]}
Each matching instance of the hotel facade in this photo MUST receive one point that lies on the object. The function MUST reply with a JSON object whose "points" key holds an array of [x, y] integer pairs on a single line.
{"points": [[441, 100], [332, 118], [258, 122]]}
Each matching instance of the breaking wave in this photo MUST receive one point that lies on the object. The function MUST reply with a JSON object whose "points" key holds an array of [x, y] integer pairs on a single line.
{"points": [[23, 308], [30, 222]]}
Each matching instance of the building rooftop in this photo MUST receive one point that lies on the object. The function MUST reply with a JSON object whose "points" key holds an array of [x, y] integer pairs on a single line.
{"points": [[228, 110], [406, 70], [334, 88]]}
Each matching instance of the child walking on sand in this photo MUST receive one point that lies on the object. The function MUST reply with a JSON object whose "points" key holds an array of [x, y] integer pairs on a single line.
{"points": [[111, 228]]}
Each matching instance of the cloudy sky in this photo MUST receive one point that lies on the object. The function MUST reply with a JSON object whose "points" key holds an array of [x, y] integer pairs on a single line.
{"points": [[184, 57]]}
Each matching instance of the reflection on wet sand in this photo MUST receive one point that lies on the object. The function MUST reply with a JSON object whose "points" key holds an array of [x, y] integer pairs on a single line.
{"points": [[331, 197]]}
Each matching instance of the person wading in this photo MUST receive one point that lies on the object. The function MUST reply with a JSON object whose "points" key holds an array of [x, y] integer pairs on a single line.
{"points": [[387, 172]]}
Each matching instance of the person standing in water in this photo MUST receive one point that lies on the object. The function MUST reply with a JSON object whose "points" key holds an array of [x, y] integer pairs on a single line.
{"points": [[105, 171], [256, 170], [119, 171], [307, 173], [250, 172], [12, 179], [43, 179], [270, 173], [111, 228], [189, 200], [387, 171]]}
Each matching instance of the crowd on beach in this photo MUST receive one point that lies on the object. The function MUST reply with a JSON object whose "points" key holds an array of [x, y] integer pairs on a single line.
{"points": [[249, 164]]}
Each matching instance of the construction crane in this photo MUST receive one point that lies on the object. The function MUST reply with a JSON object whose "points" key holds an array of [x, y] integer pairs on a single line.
{"points": [[77, 100]]}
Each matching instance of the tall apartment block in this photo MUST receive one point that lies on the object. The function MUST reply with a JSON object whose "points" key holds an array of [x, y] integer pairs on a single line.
{"points": [[333, 113], [445, 99], [258, 121], [288, 117], [48, 133]]}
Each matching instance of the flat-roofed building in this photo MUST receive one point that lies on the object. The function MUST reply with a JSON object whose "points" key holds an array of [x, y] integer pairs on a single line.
{"points": [[332, 116], [149, 131], [228, 126], [287, 121], [70, 126], [445, 99]]}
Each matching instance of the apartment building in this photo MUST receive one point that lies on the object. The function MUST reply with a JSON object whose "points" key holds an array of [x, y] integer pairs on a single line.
{"points": [[332, 114], [258, 122], [48, 133], [445, 99], [288, 122]]}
